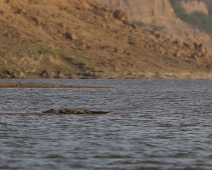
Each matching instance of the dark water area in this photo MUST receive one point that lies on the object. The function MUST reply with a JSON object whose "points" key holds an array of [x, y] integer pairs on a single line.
{"points": [[159, 124]]}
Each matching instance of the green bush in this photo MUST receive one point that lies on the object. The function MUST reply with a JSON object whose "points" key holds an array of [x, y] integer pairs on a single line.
{"points": [[46, 49], [139, 23], [197, 18]]}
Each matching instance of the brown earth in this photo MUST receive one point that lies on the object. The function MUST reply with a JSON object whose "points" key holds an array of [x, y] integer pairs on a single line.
{"points": [[82, 39], [33, 85]]}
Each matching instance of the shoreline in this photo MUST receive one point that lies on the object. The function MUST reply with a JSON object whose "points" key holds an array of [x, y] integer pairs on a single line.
{"points": [[40, 85], [127, 75]]}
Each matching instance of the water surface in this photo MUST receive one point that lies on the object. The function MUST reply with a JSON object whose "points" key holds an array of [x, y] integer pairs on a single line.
{"points": [[159, 124]]}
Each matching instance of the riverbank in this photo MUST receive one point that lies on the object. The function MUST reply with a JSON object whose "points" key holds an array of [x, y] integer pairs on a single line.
{"points": [[115, 75], [38, 85]]}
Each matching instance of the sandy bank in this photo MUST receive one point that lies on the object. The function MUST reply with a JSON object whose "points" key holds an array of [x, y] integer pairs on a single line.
{"points": [[33, 85]]}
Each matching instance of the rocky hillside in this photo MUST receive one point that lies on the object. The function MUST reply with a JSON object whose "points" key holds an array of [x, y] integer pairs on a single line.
{"points": [[191, 6], [160, 16], [208, 4], [82, 39], [144, 10]]}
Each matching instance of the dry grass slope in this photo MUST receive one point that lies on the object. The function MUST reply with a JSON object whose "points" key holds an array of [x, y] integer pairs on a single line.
{"points": [[82, 39]]}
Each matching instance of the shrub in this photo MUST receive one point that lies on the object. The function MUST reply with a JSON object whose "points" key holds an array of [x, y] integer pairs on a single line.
{"points": [[197, 18], [139, 23]]}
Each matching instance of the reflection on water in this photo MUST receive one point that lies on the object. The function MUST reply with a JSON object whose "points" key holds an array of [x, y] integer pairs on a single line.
{"points": [[159, 124]]}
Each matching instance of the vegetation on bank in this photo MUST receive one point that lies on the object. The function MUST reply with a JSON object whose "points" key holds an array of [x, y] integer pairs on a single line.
{"points": [[34, 59], [197, 18], [154, 25]]}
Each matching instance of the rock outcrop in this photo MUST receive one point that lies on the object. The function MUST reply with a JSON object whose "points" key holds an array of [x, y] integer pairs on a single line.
{"points": [[208, 4], [160, 15], [141, 10], [121, 15], [194, 5]]}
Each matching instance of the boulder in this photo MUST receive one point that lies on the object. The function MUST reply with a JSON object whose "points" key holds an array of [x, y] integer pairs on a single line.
{"points": [[157, 36], [15, 74], [187, 45], [46, 74], [71, 36], [120, 15], [76, 111]]}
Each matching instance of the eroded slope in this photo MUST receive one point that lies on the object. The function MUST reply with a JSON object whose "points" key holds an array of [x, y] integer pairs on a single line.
{"points": [[81, 39], [159, 14]]}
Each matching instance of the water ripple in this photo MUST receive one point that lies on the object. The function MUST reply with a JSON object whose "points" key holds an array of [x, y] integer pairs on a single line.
{"points": [[159, 124]]}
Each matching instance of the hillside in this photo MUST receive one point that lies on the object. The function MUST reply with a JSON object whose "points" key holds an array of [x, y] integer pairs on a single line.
{"points": [[82, 39], [159, 15], [208, 4], [191, 6]]}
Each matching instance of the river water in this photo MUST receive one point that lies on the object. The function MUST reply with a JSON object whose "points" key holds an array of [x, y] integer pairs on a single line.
{"points": [[158, 124]]}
